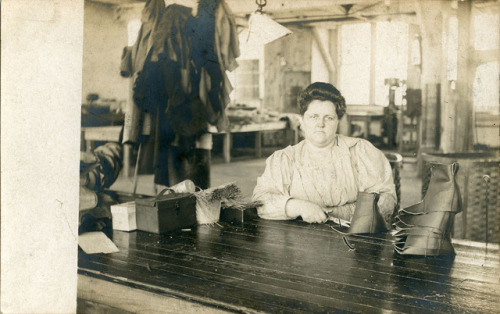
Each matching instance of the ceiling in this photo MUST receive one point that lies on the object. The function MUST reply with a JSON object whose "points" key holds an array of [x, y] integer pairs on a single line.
{"points": [[312, 11]]}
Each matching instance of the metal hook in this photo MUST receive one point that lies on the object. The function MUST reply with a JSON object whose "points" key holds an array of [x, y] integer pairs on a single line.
{"points": [[261, 4]]}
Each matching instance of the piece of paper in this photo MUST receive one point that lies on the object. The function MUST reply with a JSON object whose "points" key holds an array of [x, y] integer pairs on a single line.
{"points": [[96, 242]]}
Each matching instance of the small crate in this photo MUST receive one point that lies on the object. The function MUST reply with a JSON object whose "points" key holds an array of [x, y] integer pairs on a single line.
{"points": [[166, 212], [124, 216], [234, 215]]}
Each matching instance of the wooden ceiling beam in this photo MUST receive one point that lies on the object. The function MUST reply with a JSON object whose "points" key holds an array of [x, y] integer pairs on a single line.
{"points": [[273, 6]]}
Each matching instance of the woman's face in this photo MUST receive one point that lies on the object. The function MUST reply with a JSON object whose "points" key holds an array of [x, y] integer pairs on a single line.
{"points": [[320, 122]]}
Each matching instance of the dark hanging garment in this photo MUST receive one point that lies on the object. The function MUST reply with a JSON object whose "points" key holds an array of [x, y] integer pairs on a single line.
{"points": [[227, 48], [211, 77], [151, 14], [179, 63], [226, 42], [126, 62], [139, 52]]}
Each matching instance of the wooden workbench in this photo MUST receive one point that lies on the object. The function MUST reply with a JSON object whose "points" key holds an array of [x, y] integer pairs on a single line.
{"points": [[257, 128], [285, 266]]}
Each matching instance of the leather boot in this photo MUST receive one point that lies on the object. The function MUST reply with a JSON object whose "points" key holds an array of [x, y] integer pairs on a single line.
{"points": [[425, 228], [367, 217]]}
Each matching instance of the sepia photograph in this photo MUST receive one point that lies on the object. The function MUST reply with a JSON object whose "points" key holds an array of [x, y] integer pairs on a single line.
{"points": [[250, 156]]}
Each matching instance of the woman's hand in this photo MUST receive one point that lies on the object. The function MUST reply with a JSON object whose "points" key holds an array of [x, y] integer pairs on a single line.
{"points": [[343, 212], [310, 212]]}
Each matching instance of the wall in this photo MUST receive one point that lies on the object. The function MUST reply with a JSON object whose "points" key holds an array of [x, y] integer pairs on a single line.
{"points": [[287, 63], [249, 52], [486, 129], [40, 127], [104, 37]]}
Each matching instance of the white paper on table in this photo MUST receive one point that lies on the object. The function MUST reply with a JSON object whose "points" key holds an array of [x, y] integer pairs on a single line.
{"points": [[96, 242]]}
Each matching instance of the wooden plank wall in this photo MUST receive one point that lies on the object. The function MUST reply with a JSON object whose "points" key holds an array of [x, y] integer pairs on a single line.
{"points": [[289, 54]]}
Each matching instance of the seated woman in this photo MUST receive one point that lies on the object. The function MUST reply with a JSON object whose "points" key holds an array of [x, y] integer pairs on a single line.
{"points": [[320, 177]]}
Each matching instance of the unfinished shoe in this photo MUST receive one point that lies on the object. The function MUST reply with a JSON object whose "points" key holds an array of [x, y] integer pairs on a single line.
{"points": [[367, 217], [425, 228]]}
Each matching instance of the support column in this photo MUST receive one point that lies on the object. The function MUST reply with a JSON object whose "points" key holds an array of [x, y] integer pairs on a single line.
{"points": [[430, 19], [373, 62], [334, 53], [226, 146], [41, 85], [321, 38], [448, 95], [465, 76], [414, 78]]}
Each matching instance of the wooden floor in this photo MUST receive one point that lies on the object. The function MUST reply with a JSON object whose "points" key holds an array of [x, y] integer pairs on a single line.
{"points": [[290, 266]]}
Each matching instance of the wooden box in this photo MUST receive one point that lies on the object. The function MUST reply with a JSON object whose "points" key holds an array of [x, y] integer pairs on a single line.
{"points": [[234, 215], [164, 213], [124, 216]]}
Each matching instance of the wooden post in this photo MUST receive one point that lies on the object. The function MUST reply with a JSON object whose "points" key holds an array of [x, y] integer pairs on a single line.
{"points": [[126, 160], [430, 18], [325, 52], [413, 80], [226, 147], [465, 76], [448, 95], [258, 144], [334, 51], [373, 62]]}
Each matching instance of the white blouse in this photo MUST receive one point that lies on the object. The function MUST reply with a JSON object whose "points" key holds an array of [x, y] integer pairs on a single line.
{"points": [[329, 180]]}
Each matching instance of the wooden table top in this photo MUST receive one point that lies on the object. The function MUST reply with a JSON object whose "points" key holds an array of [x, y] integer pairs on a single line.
{"points": [[252, 127], [292, 266]]}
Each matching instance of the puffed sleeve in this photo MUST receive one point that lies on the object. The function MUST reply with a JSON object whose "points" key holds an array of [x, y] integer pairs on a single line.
{"points": [[273, 187], [375, 176]]}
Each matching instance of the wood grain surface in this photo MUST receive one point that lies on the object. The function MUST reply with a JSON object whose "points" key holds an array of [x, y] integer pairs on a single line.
{"points": [[292, 266]]}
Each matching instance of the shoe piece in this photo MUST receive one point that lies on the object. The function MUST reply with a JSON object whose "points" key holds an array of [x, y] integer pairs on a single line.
{"points": [[367, 217], [425, 227]]}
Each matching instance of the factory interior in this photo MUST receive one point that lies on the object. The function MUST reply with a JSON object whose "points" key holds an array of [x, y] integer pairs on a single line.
{"points": [[421, 82]]}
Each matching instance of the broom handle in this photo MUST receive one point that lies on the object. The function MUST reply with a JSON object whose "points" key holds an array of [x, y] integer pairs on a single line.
{"points": [[136, 170]]}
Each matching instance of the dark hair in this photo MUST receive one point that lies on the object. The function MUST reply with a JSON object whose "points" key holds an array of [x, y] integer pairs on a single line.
{"points": [[322, 91]]}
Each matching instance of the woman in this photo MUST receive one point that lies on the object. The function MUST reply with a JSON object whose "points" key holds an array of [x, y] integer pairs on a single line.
{"points": [[320, 177]]}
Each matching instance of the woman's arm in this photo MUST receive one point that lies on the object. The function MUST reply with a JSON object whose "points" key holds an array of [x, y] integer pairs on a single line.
{"points": [[344, 212], [375, 176], [273, 187], [273, 190], [309, 211]]}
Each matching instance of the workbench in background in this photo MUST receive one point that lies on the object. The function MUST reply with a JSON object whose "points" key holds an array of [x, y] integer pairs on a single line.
{"points": [[91, 135]]}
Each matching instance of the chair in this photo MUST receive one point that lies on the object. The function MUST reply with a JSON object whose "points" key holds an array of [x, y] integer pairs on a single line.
{"points": [[396, 162]]}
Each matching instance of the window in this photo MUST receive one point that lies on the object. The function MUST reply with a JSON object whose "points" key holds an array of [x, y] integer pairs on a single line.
{"points": [[355, 63], [246, 84], [485, 37], [486, 88], [486, 81], [389, 57]]}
